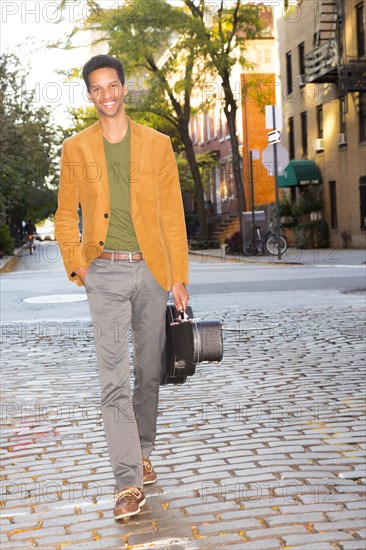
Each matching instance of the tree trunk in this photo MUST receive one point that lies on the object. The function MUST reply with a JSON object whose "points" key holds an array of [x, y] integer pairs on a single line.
{"points": [[188, 145], [230, 110]]}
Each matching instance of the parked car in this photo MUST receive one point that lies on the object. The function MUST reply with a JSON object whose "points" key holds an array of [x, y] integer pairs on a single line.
{"points": [[46, 233]]}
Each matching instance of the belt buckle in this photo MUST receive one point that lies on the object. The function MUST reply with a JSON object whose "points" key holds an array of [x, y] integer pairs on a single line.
{"points": [[130, 254]]}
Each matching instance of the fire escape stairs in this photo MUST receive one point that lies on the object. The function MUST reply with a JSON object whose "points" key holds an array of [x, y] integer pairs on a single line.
{"points": [[327, 22], [321, 64], [327, 62]]}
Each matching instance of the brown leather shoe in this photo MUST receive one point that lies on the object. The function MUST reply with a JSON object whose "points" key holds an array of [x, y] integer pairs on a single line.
{"points": [[129, 502], [149, 472]]}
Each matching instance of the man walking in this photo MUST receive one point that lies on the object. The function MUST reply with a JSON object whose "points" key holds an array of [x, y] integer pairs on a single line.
{"points": [[132, 252]]}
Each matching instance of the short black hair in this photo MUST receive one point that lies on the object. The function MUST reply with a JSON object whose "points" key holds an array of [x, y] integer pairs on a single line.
{"points": [[100, 62]]}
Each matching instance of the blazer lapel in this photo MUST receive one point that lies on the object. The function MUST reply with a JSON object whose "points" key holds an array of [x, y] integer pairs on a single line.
{"points": [[96, 142], [135, 158]]}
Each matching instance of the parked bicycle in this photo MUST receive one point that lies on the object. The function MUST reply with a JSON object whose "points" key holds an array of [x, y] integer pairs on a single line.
{"points": [[269, 243]]}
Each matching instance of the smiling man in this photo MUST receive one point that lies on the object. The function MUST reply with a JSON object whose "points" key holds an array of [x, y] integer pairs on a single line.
{"points": [[133, 251]]}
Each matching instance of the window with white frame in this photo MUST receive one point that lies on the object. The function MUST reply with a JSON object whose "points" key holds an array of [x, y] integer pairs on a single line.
{"points": [[221, 124], [202, 128], [214, 124], [194, 132], [223, 181], [208, 127]]}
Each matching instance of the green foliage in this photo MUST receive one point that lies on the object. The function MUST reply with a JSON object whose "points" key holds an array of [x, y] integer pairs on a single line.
{"points": [[223, 36], [185, 176], [82, 118], [309, 202], [312, 234], [204, 244], [29, 148], [258, 89], [285, 207], [157, 122], [7, 242]]}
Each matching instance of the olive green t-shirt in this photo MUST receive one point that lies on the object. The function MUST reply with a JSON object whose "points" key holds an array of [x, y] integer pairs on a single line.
{"points": [[121, 233]]}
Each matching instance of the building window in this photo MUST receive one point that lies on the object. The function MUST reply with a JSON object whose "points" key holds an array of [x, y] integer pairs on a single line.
{"points": [[214, 124], [363, 201], [289, 72], [342, 115], [223, 181], [202, 128], [301, 52], [319, 120], [194, 132], [291, 137], [304, 134], [222, 124], [362, 115], [333, 205], [231, 178], [340, 31], [360, 25], [208, 127]]}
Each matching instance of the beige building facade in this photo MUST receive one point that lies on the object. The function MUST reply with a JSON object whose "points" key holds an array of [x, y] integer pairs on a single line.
{"points": [[323, 87]]}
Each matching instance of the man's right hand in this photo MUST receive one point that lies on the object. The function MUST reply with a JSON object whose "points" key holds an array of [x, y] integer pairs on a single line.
{"points": [[81, 272]]}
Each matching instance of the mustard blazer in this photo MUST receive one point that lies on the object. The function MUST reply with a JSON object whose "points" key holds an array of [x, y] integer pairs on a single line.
{"points": [[155, 201]]}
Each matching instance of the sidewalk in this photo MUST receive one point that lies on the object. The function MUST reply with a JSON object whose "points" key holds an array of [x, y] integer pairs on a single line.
{"points": [[264, 451], [321, 256], [8, 263]]}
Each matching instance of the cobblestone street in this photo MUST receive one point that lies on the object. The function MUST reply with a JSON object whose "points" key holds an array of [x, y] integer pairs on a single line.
{"points": [[263, 451]]}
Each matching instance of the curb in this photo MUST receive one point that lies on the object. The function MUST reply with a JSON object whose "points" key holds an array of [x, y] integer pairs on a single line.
{"points": [[240, 259], [13, 261]]}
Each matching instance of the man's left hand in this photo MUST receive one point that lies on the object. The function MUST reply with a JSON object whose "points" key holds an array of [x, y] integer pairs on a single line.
{"points": [[180, 296]]}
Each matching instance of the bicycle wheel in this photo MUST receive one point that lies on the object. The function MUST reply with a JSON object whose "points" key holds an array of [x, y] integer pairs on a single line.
{"points": [[249, 248], [275, 242]]}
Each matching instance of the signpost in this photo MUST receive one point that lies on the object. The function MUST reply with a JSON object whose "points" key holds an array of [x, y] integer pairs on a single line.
{"points": [[252, 193], [283, 158], [274, 137], [274, 121]]}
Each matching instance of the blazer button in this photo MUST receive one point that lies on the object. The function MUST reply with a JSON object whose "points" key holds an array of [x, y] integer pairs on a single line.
{"points": [[101, 243], [106, 215]]}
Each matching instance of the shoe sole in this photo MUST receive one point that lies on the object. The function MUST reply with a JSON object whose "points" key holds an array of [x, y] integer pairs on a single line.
{"points": [[120, 516], [150, 482]]}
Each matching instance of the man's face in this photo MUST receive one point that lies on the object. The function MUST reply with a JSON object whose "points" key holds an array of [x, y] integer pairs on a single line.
{"points": [[107, 92]]}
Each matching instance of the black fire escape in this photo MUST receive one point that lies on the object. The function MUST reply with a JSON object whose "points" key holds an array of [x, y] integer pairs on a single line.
{"points": [[328, 62]]}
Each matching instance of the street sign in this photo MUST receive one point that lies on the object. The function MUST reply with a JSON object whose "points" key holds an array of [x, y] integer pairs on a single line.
{"points": [[273, 111], [274, 137], [283, 158]]}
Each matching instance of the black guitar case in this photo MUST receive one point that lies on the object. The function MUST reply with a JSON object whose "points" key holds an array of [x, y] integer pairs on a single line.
{"points": [[188, 343]]}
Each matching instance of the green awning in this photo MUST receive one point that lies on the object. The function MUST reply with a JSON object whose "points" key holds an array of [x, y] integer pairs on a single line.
{"points": [[300, 172]]}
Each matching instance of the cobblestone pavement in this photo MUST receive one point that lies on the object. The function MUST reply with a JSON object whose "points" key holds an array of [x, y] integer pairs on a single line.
{"points": [[264, 451]]}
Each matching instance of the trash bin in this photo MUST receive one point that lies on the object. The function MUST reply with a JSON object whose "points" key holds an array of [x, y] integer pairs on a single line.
{"points": [[260, 220]]}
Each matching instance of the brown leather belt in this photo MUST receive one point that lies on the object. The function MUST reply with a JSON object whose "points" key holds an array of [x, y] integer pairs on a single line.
{"points": [[122, 256]]}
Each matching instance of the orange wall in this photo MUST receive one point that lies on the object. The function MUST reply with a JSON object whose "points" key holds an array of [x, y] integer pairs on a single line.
{"points": [[262, 87]]}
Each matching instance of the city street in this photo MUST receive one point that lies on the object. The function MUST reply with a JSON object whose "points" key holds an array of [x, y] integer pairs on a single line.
{"points": [[265, 450]]}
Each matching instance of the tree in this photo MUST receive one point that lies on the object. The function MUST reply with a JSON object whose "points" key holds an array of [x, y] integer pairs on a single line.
{"points": [[221, 37], [29, 144], [138, 33]]}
